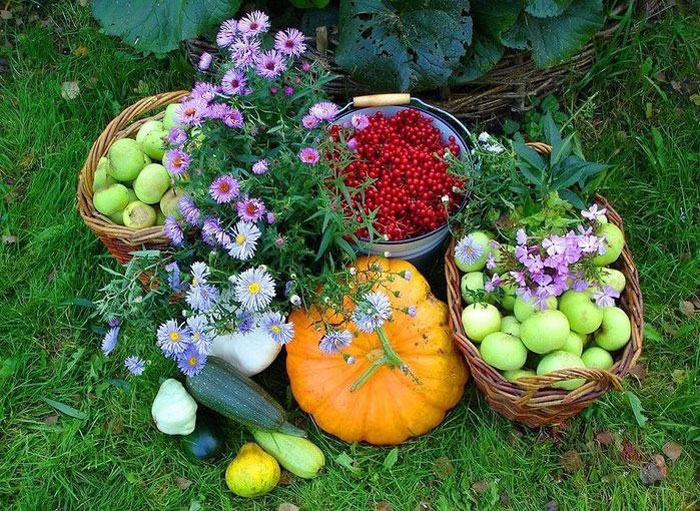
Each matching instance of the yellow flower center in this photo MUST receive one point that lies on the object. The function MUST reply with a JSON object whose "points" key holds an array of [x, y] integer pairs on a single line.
{"points": [[276, 329], [254, 288], [196, 336], [240, 239], [192, 360], [469, 250], [175, 336]]}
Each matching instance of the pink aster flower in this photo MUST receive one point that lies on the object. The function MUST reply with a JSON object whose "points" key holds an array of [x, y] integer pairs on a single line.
{"points": [[309, 155], [290, 42], [306, 67], [189, 210], [288, 90], [176, 162], [233, 118], [217, 110], [173, 232], [324, 111], [224, 189], [270, 64], [245, 52], [177, 136], [260, 167], [226, 33], [204, 61], [359, 121], [233, 83], [203, 90], [309, 122], [352, 144], [250, 210], [255, 23], [191, 112]]}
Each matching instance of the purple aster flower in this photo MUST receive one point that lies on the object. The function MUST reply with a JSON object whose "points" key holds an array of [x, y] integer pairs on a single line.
{"points": [[594, 213], [203, 90], [324, 111], [605, 297], [491, 261], [492, 284], [213, 233], [173, 271], [288, 90], [189, 210], [276, 326], [309, 122], [200, 271], [255, 23], [233, 118], [250, 210], [372, 311], [279, 241], [270, 64], [135, 365], [309, 155], [172, 338], [270, 217], [233, 82], [521, 237], [226, 33], [468, 250], [191, 112], [412, 311], [290, 42], [273, 90], [109, 341], [177, 136], [244, 241], [217, 110], [359, 121], [176, 162], [202, 297], [335, 340], [199, 333], [190, 362], [260, 167], [254, 289], [306, 67], [244, 52], [224, 189], [173, 231], [204, 61], [352, 144], [245, 322]]}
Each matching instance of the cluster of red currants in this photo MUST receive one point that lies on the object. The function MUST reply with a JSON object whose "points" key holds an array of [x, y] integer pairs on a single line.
{"points": [[402, 157]]}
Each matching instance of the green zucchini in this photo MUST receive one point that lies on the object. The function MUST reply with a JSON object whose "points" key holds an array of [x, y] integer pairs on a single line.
{"points": [[298, 455], [224, 389]]}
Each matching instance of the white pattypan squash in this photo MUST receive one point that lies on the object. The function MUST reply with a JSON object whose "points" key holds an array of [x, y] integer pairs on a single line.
{"points": [[174, 410], [250, 353]]}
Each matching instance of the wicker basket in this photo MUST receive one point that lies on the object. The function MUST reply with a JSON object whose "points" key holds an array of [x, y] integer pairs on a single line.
{"points": [[508, 86], [121, 240], [529, 400]]}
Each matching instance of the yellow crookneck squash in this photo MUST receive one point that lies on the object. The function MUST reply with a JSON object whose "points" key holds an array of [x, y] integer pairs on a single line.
{"points": [[397, 387]]}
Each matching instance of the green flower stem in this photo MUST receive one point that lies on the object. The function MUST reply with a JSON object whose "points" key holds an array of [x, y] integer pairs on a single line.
{"points": [[393, 359]]}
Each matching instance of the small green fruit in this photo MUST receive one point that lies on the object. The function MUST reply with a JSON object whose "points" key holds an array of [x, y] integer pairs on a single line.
{"points": [[613, 278], [597, 358], [125, 159], [132, 195], [562, 360], [614, 241], [117, 217], [573, 344], [503, 351], [584, 316], [615, 330], [152, 183], [146, 128], [524, 310], [508, 299], [146, 160], [102, 178], [517, 374], [472, 282], [479, 243], [511, 326], [110, 199], [160, 217], [153, 143], [545, 331], [169, 117], [480, 320], [168, 204], [138, 215]]}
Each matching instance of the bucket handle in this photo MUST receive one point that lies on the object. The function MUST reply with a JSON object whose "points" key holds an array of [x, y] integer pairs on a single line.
{"points": [[403, 98]]}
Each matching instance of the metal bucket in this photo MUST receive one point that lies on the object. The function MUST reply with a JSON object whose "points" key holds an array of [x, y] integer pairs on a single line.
{"points": [[423, 249]]}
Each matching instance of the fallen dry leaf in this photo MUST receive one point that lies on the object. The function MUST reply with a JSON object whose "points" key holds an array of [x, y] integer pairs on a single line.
{"points": [[383, 505], [286, 478], [116, 425], [605, 438], [660, 462], [8, 239], [50, 419], [571, 461], [51, 276], [442, 467], [80, 51], [480, 487], [552, 505], [650, 473], [5, 14], [678, 375], [70, 90], [504, 498], [629, 452], [687, 308], [672, 450], [639, 372], [287, 506], [183, 483]]}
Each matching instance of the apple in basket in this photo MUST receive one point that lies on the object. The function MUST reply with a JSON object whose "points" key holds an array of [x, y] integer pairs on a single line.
{"points": [[480, 320]]}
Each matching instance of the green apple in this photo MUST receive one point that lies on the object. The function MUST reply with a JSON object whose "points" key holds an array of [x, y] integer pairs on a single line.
{"points": [[125, 159], [613, 278], [154, 143], [479, 243], [169, 117], [517, 374], [138, 215], [146, 128], [614, 241], [160, 217], [584, 316], [480, 320], [615, 330], [597, 358], [573, 344], [545, 331], [562, 360], [152, 183], [168, 203], [498, 257], [510, 325], [146, 160], [524, 310], [102, 177], [503, 351], [508, 298], [132, 195], [117, 217], [110, 199], [471, 284]]}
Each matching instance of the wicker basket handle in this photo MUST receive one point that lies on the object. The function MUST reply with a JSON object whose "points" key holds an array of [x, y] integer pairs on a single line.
{"points": [[534, 383], [402, 98]]}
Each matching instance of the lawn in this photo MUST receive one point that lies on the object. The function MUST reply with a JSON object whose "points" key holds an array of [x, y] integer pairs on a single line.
{"points": [[637, 109]]}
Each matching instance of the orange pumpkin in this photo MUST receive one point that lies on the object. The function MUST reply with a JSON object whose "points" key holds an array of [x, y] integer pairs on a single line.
{"points": [[391, 404]]}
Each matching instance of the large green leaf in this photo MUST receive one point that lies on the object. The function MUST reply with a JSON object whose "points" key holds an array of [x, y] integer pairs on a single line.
{"points": [[483, 54], [516, 36], [495, 17], [556, 39], [402, 45], [159, 25], [546, 8]]}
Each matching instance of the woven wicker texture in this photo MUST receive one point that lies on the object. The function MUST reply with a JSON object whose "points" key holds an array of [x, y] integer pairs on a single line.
{"points": [[118, 239], [529, 400]]}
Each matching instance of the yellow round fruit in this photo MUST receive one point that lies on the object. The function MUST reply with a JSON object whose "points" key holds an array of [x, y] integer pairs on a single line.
{"points": [[252, 472]]}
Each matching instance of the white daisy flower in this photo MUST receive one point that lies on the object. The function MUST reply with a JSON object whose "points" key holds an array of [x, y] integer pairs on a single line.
{"points": [[244, 241], [254, 289]]}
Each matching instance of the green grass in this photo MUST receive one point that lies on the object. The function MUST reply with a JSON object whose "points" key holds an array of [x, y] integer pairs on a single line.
{"points": [[116, 459]]}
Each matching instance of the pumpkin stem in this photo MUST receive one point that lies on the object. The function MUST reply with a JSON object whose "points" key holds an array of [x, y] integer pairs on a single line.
{"points": [[393, 358], [367, 373]]}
